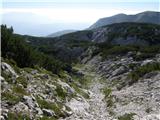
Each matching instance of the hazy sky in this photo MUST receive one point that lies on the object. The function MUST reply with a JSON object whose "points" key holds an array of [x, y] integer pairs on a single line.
{"points": [[66, 14]]}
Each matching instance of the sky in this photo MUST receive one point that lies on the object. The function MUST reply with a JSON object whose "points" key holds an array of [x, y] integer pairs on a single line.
{"points": [[42, 17]]}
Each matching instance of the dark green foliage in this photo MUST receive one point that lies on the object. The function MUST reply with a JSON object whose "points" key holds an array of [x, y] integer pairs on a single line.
{"points": [[47, 118], [15, 48], [17, 116], [10, 97], [141, 71], [127, 116], [142, 31], [143, 56], [19, 90], [56, 107], [145, 51], [107, 92], [107, 49], [62, 93], [108, 96], [22, 80]]}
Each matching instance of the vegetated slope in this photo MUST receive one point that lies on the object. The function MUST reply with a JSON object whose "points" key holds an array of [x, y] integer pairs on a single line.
{"points": [[66, 48], [34, 84], [69, 47], [116, 34], [60, 33], [144, 17], [130, 75], [128, 34]]}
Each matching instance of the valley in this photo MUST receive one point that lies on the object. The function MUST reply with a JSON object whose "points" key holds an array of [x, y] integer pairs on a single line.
{"points": [[110, 72]]}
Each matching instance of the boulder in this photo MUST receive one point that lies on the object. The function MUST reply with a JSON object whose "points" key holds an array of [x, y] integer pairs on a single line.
{"points": [[67, 87], [45, 76], [20, 107], [150, 75], [30, 102], [146, 62], [34, 72], [8, 69], [48, 112], [119, 71], [39, 111]]}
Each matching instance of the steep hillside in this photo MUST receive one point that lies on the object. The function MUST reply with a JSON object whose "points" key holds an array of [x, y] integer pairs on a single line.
{"points": [[35, 93], [144, 17], [130, 86], [128, 33], [116, 34]]}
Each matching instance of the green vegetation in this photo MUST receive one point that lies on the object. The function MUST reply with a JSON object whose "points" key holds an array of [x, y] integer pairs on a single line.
{"points": [[142, 31], [10, 97], [142, 70], [127, 116], [56, 107], [108, 96], [79, 90], [22, 80], [47, 118], [107, 91], [17, 116], [145, 52], [14, 47], [61, 93], [148, 110], [19, 90]]}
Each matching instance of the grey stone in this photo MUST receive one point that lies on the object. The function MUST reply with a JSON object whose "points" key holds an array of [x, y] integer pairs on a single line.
{"points": [[48, 112], [8, 69], [34, 72], [30, 102], [119, 71], [20, 107], [39, 111]]}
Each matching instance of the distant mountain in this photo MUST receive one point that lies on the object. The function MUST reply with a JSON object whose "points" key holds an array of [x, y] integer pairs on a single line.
{"points": [[60, 33], [127, 33], [144, 17]]}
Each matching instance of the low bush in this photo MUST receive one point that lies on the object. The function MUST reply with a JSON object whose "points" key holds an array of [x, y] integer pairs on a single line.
{"points": [[127, 116], [10, 97], [142, 70]]}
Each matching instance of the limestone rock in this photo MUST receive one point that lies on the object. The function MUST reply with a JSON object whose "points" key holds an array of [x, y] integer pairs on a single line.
{"points": [[48, 112]]}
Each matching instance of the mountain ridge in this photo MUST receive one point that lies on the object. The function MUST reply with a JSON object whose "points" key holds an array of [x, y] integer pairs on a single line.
{"points": [[143, 17]]}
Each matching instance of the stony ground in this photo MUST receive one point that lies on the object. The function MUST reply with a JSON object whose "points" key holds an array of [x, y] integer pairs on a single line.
{"points": [[93, 108]]}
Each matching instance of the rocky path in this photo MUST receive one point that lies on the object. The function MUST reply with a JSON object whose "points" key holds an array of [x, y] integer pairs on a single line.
{"points": [[93, 108], [97, 104]]}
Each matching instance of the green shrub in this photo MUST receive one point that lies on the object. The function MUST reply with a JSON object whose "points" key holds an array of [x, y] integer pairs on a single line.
{"points": [[142, 70], [17, 116], [61, 93], [15, 48], [10, 97], [109, 98], [56, 107], [107, 92], [80, 91], [47, 118], [143, 56], [22, 80], [127, 116], [19, 90]]}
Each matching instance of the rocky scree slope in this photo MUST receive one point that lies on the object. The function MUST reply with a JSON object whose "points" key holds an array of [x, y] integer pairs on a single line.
{"points": [[131, 87], [28, 93]]}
